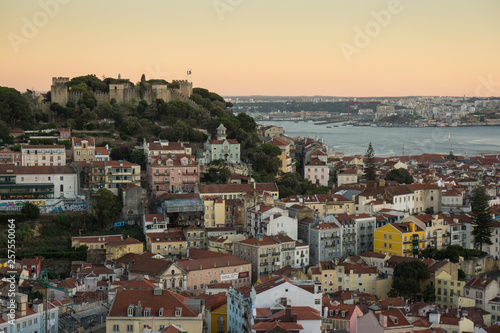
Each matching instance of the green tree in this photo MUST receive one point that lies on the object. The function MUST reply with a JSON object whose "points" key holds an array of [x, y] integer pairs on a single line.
{"points": [[369, 169], [14, 107], [31, 211], [400, 175], [266, 163], [5, 137], [429, 294], [107, 207], [481, 218], [137, 156], [407, 279], [461, 274], [218, 174]]}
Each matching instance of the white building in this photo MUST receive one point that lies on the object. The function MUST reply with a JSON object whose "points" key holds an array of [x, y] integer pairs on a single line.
{"points": [[37, 182], [270, 220], [317, 172], [277, 289], [220, 149], [401, 198], [154, 223]]}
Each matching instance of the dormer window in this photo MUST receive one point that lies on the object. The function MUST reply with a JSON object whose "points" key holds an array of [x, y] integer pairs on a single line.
{"points": [[343, 314], [147, 312], [178, 312], [160, 312], [130, 311], [330, 313]]}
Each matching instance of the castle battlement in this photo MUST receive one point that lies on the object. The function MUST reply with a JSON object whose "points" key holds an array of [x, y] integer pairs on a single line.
{"points": [[123, 92], [60, 80]]}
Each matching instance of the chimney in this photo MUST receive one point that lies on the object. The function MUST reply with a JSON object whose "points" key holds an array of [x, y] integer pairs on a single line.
{"points": [[382, 320], [138, 313]]}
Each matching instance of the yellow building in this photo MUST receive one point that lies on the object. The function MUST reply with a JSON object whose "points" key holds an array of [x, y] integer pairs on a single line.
{"points": [[328, 276], [215, 211], [83, 149], [119, 248], [220, 244], [448, 290], [436, 228], [166, 243], [285, 159], [94, 242], [402, 239], [324, 204]]}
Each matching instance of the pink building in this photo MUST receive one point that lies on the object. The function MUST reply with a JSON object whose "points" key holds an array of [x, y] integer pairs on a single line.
{"points": [[8, 156], [388, 321], [64, 133], [205, 267], [341, 317], [172, 173], [43, 155], [317, 172]]}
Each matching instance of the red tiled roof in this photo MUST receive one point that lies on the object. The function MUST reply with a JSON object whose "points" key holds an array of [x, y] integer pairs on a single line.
{"points": [[42, 147], [275, 325], [266, 240], [97, 239], [168, 301], [224, 260], [36, 170], [479, 282], [237, 188], [371, 254], [278, 142]]}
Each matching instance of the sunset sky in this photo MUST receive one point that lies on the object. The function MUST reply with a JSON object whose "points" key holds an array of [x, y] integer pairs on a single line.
{"points": [[250, 47]]}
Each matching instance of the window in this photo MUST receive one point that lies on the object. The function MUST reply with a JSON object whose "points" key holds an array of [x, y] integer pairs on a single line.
{"points": [[130, 328], [116, 328]]}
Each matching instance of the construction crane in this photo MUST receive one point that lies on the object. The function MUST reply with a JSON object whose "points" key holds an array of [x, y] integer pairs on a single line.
{"points": [[44, 281]]}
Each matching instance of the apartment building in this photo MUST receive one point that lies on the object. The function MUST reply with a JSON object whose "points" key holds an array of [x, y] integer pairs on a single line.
{"points": [[325, 241], [436, 228], [271, 253], [402, 239], [83, 149], [270, 220], [172, 173], [37, 182], [43, 155]]}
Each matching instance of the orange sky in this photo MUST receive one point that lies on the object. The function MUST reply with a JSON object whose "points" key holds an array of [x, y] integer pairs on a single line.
{"points": [[243, 47]]}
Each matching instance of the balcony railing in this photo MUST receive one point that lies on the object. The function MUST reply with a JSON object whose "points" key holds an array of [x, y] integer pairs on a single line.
{"points": [[263, 255]]}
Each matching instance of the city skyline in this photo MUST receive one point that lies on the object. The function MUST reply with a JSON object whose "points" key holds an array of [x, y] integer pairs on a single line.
{"points": [[241, 48]]}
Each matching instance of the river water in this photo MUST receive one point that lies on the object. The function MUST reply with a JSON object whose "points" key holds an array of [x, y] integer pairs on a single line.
{"points": [[389, 141]]}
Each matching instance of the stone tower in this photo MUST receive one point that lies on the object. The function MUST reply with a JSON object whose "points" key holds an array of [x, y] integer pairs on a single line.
{"points": [[185, 87], [221, 132], [59, 90]]}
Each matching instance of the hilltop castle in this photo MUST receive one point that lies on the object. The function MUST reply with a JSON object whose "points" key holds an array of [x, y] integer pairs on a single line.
{"points": [[124, 92]]}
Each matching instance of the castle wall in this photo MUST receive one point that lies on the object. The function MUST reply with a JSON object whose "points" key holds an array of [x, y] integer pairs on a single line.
{"points": [[124, 93]]}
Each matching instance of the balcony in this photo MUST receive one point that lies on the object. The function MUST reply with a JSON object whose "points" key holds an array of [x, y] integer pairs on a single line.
{"points": [[276, 253], [264, 264], [263, 255]]}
